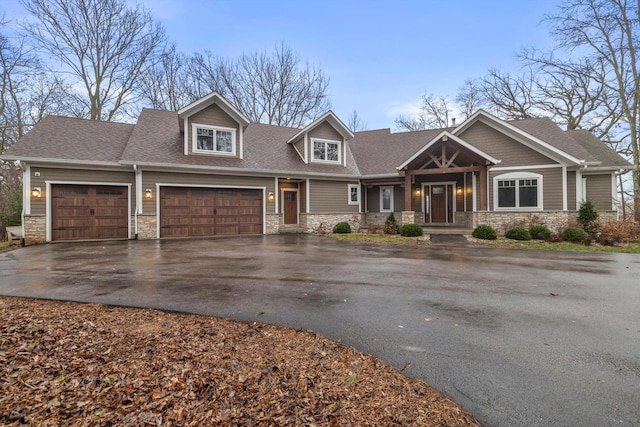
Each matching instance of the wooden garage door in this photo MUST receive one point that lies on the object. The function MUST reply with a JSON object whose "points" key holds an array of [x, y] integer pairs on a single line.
{"points": [[81, 212], [209, 211]]}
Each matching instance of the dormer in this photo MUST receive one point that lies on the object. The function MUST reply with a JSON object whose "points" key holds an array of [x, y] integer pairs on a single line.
{"points": [[212, 127], [323, 142]]}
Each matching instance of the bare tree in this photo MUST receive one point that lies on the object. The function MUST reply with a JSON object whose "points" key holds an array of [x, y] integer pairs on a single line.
{"points": [[104, 44], [434, 113], [510, 97], [355, 123], [273, 88], [166, 84], [470, 98], [608, 31]]}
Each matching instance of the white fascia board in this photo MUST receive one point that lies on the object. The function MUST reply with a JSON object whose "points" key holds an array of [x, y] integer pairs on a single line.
{"points": [[213, 98], [62, 161], [454, 138], [589, 169], [337, 124], [495, 122]]}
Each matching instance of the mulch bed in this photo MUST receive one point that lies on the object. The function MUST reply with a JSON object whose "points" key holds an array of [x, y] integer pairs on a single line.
{"points": [[90, 364]]}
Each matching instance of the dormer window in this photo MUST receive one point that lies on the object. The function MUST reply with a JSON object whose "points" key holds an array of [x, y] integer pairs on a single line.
{"points": [[214, 140], [327, 150]]}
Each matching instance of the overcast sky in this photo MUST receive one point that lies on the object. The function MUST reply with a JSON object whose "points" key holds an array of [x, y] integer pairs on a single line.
{"points": [[380, 56]]}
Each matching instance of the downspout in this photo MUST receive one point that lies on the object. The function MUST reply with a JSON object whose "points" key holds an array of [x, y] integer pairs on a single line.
{"points": [[135, 215], [26, 192]]}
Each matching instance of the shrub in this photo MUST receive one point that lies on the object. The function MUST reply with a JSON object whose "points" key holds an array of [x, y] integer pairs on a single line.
{"points": [[587, 216], [411, 230], [485, 232], [518, 233], [342, 228], [540, 232], [614, 232], [391, 225], [575, 235]]}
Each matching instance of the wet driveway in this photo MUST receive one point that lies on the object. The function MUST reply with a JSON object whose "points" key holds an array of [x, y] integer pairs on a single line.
{"points": [[515, 337]]}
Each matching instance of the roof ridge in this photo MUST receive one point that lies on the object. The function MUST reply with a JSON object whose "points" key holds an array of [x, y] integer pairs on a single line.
{"points": [[58, 116]]}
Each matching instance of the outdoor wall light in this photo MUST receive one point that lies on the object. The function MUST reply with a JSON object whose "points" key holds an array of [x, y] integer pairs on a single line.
{"points": [[417, 191], [36, 192], [148, 193], [459, 190], [271, 196]]}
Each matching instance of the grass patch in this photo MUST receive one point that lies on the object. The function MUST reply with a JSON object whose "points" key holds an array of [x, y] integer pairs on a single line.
{"points": [[381, 238], [632, 248], [4, 246]]}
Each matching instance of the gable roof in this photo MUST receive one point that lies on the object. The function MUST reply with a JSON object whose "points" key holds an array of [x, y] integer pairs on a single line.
{"points": [[454, 138], [213, 98], [526, 138], [157, 141], [72, 140], [329, 117]]}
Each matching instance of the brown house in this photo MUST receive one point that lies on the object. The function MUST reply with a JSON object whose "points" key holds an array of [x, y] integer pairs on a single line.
{"points": [[206, 170]]}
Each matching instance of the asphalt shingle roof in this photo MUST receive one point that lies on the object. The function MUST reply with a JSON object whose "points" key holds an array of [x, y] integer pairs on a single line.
{"points": [[57, 137], [156, 139]]}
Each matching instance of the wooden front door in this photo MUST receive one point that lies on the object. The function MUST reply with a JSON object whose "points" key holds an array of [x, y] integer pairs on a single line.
{"points": [[290, 207], [438, 203], [85, 212], [188, 212]]}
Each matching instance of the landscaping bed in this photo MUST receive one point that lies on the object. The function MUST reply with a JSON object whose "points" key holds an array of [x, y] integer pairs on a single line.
{"points": [[90, 364]]}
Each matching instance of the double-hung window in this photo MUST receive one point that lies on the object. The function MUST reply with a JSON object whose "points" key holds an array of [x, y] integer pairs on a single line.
{"points": [[327, 151], [215, 140], [518, 191]]}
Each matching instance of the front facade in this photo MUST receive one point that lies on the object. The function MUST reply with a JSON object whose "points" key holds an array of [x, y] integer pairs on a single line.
{"points": [[207, 171]]}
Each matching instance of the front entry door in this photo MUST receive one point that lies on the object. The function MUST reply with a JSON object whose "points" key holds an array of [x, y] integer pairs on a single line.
{"points": [[290, 207], [438, 203]]}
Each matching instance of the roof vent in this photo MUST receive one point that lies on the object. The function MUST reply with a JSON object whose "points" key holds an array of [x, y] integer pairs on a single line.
{"points": [[453, 121]]}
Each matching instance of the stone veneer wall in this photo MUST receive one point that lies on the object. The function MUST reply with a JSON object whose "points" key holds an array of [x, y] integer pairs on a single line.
{"points": [[147, 227], [272, 225], [378, 218], [554, 220], [323, 223], [35, 229]]}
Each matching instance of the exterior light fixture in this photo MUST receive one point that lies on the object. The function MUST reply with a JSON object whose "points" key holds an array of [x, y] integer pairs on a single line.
{"points": [[417, 191], [459, 190], [36, 192], [148, 193], [271, 196]]}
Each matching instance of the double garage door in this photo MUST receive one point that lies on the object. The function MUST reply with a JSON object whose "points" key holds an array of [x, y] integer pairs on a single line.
{"points": [[85, 212], [209, 211]]}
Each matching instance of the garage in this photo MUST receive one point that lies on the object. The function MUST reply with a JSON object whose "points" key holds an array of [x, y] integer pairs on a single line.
{"points": [[186, 212], [88, 212]]}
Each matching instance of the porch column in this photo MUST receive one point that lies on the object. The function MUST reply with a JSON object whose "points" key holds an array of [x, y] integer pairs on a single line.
{"points": [[407, 191], [482, 182]]}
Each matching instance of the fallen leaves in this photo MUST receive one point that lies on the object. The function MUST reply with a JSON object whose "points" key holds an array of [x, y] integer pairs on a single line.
{"points": [[89, 364]]}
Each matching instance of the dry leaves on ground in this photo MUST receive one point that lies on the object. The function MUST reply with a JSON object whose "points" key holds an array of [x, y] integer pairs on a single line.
{"points": [[90, 364]]}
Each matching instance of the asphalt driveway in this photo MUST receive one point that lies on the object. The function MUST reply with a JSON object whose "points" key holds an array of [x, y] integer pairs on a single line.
{"points": [[515, 337]]}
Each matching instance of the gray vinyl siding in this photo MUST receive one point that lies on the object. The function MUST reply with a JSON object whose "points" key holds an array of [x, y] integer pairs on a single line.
{"points": [[325, 131], [373, 199], [299, 144], [502, 147], [150, 179], [303, 197], [571, 190], [329, 197], [85, 176], [551, 187], [599, 191], [398, 198], [212, 116]]}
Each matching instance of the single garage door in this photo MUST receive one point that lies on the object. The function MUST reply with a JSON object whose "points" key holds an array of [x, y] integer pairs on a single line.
{"points": [[209, 211], [81, 212]]}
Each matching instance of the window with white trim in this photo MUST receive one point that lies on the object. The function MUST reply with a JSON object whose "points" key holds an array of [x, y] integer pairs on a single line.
{"points": [[518, 191], [213, 139], [386, 199], [325, 150], [354, 194]]}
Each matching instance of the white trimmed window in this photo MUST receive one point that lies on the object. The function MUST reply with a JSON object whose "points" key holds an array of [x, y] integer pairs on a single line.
{"points": [[213, 139], [386, 199], [325, 150], [517, 191], [354, 194]]}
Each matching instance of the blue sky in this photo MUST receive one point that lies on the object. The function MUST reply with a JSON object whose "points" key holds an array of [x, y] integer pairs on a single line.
{"points": [[380, 56]]}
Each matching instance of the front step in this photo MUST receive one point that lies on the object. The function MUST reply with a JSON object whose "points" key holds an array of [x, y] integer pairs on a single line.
{"points": [[291, 230]]}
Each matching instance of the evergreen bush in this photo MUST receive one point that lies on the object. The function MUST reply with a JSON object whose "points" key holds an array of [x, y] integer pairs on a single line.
{"points": [[411, 230], [575, 235], [485, 232], [518, 233], [342, 228], [540, 232]]}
